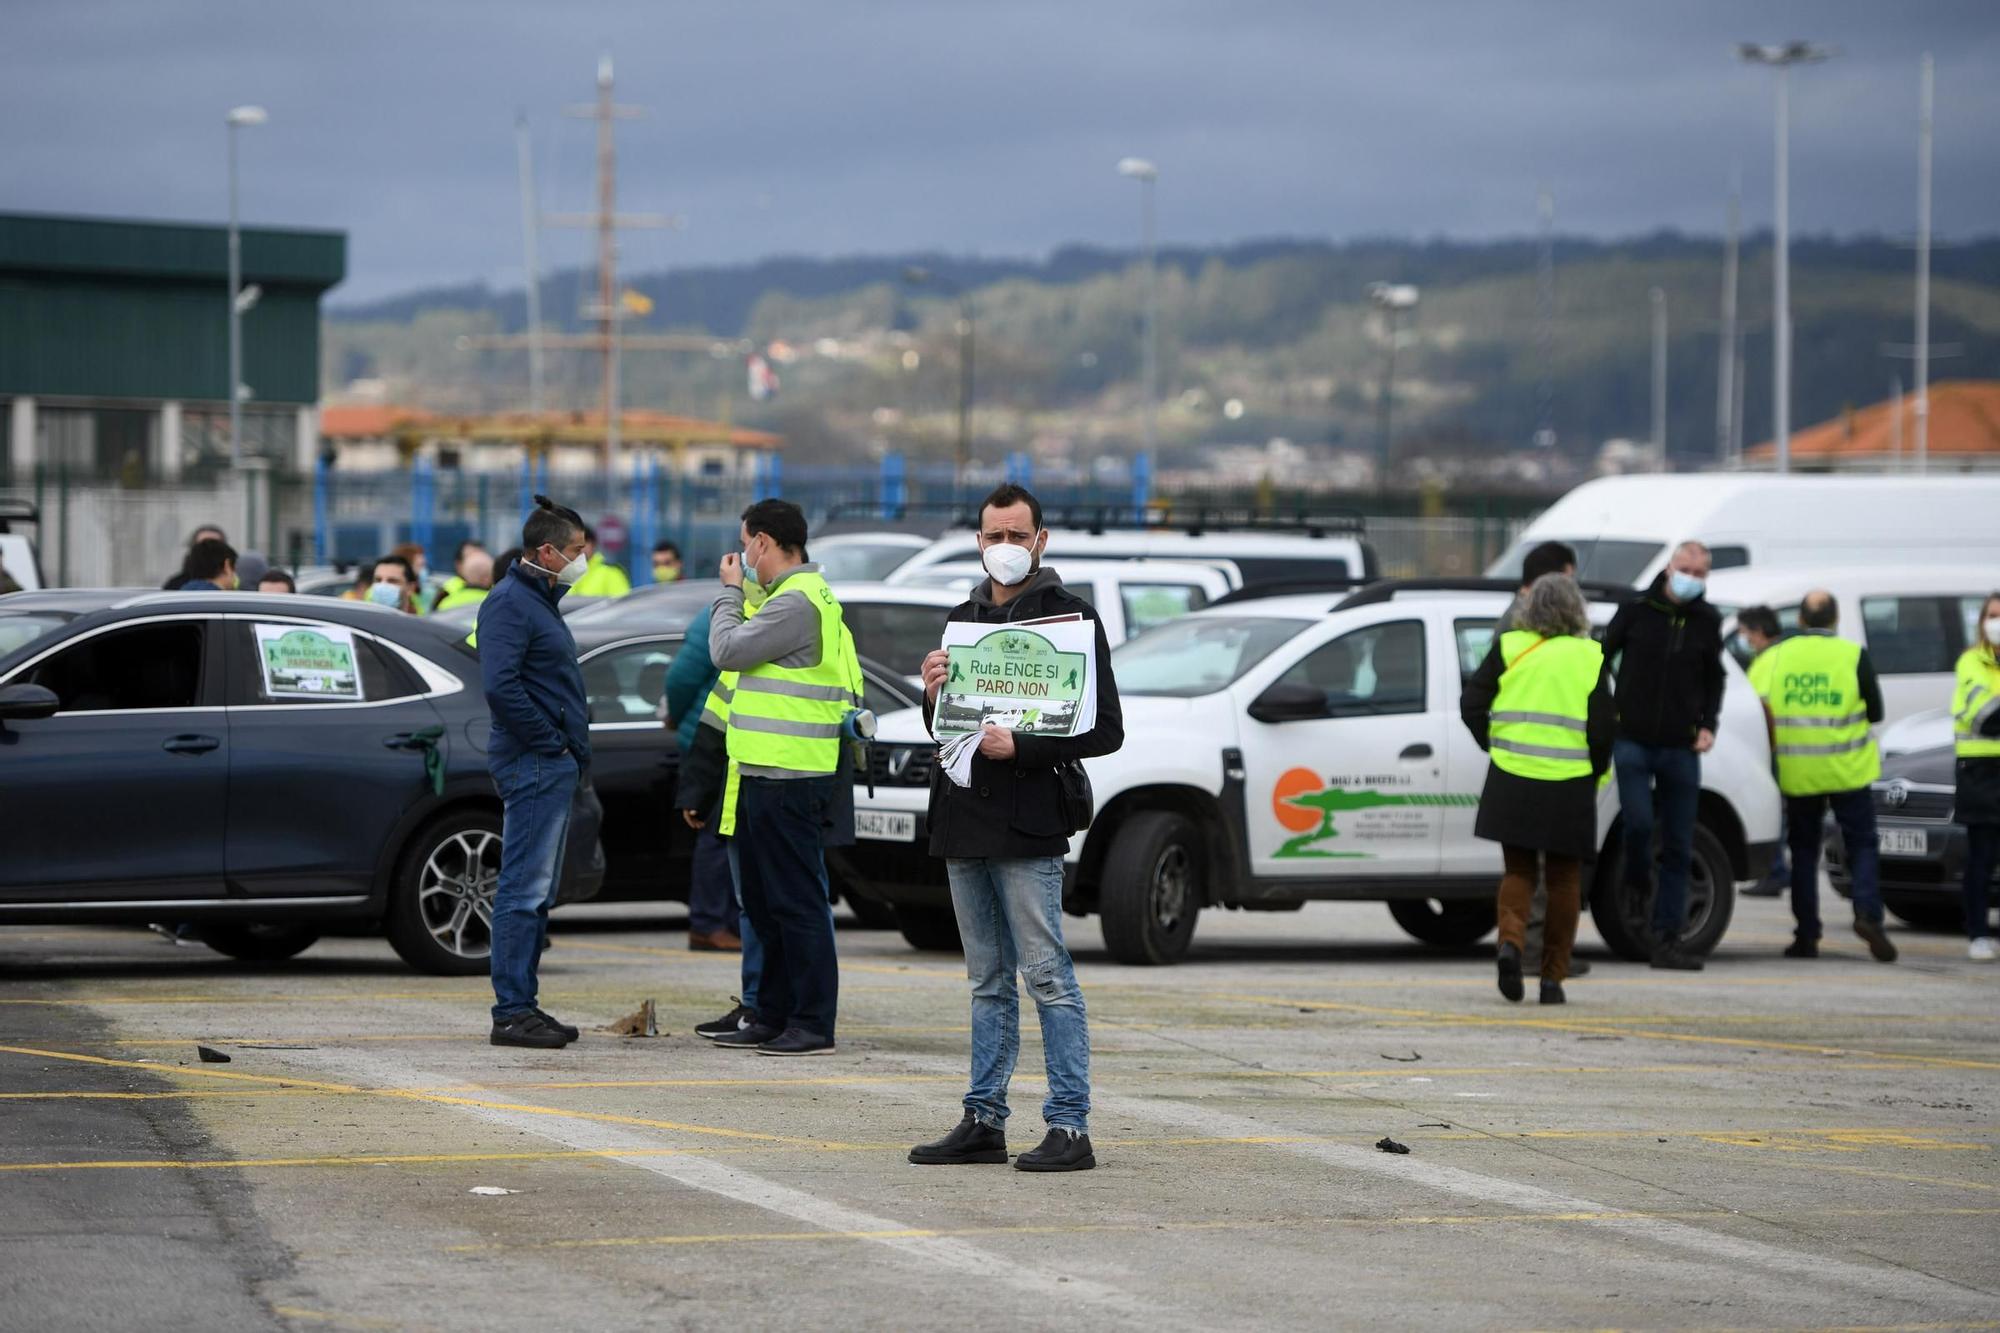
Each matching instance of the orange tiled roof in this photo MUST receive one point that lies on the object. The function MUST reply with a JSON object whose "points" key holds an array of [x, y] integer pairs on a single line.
{"points": [[1965, 419], [367, 421]]}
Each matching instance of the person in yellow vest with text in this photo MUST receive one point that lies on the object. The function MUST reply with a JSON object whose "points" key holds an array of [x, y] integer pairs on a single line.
{"points": [[600, 578], [1820, 696], [1975, 716], [796, 680], [1540, 706]]}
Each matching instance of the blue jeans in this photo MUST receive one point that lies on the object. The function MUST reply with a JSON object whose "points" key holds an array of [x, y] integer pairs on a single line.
{"points": [[1010, 917], [535, 791], [779, 822], [1805, 818], [753, 948], [1982, 846], [1666, 779]]}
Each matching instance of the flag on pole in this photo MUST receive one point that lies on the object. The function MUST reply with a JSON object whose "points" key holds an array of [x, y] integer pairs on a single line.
{"points": [[637, 303], [763, 379]]}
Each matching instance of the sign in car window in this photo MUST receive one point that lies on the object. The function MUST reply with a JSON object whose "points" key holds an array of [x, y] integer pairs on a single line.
{"points": [[308, 662], [1039, 680]]}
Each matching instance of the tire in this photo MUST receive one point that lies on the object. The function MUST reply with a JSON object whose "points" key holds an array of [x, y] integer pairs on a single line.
{"points": [[1926, 913], [872, 913], [1152, 888], [1625, 919], [260, 943], [931, 929], [452, 863], [1450, 925]]}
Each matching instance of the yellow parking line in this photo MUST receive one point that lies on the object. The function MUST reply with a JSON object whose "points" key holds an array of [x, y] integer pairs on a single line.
{"points": [[177, 1094]]}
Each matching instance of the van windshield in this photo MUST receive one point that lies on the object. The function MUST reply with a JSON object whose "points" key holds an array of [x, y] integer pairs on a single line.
{"points": [[1597, 561], [1198, 655]]}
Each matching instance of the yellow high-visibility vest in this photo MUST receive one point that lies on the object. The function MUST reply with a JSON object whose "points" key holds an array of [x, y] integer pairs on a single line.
{"points": [[1540, 719], [601, 578], [789, 718], [1819, 720], [1976, 699]]}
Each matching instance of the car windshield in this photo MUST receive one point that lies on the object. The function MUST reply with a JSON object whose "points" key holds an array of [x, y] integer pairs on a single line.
{"points": [[1198, 655], [861, 562], [1597, 561], [22, 628]]}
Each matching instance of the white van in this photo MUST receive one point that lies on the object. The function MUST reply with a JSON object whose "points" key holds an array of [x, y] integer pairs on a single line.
{"points": [[1625, 528], [1250, 551], [18, 561], [1129, 595], [1914, 620]]}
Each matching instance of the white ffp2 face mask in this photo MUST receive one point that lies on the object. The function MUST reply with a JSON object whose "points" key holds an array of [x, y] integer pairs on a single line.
{"points": [[1992, 630], [1008, 563]]}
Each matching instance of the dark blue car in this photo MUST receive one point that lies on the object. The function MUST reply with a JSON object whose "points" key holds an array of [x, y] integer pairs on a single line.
{"points": [[265, 768]]}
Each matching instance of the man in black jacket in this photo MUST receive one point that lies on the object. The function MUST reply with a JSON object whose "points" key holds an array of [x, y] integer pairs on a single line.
{"points": [[1003, 838], [1668, 646]]}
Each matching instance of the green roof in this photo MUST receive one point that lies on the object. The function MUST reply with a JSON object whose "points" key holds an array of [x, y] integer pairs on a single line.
{"points": [[49, 244]]}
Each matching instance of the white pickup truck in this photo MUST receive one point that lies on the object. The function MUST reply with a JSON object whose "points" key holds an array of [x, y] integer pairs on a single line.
{"points": [[1290, 749]]}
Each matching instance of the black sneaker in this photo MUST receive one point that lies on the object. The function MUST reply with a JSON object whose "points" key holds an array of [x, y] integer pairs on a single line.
{"points": [[747, 1038], [1878, 939], [1552, 992], [530, 1028], [1802, 949], [568, 1031], [797, 1041], [734, 1021], [1670, 957], [1510, 972], [1060, 1150], [969, 1143]]}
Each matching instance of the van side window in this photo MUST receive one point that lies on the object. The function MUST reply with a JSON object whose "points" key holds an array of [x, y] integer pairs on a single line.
{"points": [[1909, 635], [1728, 557], [1475, 640], [1370, 672]]}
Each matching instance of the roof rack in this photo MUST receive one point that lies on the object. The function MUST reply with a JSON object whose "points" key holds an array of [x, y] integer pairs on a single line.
{"points": [[1385, 590], [1288, 588], [1099, 518]]}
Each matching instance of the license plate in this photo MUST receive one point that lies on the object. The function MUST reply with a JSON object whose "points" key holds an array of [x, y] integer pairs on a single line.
{"points": [[885, 825], [1904, 842]]}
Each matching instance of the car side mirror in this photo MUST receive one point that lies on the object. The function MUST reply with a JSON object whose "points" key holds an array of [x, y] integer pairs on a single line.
{"points": [[20, 703], [1289, 703]]}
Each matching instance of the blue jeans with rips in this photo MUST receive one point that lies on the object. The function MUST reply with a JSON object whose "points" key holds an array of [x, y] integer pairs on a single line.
{"points": [[535, 791], [1666, 779], [1010, 917]]}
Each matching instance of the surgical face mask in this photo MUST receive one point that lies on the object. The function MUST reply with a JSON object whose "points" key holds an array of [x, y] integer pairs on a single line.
{"points": [[1992, 630], [1683, 586], [749, 567], [1008, 563], [666, 573], [386, 594]]}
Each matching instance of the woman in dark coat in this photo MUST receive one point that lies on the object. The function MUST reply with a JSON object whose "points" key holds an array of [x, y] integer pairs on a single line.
{"points": [[1540, 824], [1976, 729]]}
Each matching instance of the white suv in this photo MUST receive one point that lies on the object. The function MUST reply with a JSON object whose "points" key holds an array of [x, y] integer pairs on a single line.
{"points": [[1288, 749]]}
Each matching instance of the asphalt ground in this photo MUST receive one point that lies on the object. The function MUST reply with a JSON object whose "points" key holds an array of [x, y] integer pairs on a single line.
{"points": [[1770, 1143]]}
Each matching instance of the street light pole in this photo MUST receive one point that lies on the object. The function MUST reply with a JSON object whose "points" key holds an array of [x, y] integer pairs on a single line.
{"points": [[237, 119], [1782, 58], [923, 277], [1139, 169], [1392, 299], [1658, 297], [1924, 271]]}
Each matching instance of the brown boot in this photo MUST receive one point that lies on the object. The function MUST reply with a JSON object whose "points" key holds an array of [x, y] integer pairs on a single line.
{"points": [[721, 941]]}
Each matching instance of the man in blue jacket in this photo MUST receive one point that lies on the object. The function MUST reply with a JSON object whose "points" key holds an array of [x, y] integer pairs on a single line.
{"points": [[538, 753]]}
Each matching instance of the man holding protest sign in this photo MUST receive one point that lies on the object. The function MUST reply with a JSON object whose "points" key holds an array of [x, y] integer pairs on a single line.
{"points": [[1029, 701]]}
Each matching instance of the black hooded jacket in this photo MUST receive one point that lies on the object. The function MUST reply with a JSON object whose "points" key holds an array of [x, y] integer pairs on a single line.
{"points": [[1669, 663], [1012, 809]]}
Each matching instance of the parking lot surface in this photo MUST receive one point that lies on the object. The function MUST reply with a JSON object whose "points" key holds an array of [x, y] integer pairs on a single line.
{"points": [[1766, 1144]]}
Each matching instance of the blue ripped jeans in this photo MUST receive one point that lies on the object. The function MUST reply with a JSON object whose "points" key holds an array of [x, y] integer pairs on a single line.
{"points": [[1010, 918]]}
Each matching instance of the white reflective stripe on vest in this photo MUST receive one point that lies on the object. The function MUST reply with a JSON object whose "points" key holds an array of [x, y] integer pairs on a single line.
{"points": [[1851, 720], [796, 689], [782, 726], [1544, 719], [1837, 747], [1539, 751]]}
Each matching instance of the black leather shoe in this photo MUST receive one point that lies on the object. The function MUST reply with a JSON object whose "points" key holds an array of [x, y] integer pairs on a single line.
{"points": [[797, 1041], [1670, 957], [560, 1026], [1510, 972], [734, 1021], [1878, 939], [969, 1143], [530, 1028], [747, 1038], [1802, 949], [1552, 992], [1060, 1150]]}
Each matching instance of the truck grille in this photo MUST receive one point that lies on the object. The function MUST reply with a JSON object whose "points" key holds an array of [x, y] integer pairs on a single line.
{"points": [[901, 765]]}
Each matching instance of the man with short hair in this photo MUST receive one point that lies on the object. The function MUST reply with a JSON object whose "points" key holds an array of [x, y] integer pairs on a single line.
{"points": [[1547, 558], [458, 582], [1002, 839], [666, 562], [1759, 628], [210, 567], [600, 578], [538, 751], [206, 532], [1821, 696], [474, 580], [1668, 647], [394, 584], [277, 580], [795, 680]]}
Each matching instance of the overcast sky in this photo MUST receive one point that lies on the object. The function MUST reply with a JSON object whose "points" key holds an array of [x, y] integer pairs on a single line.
{"points": [[983, 126]]}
